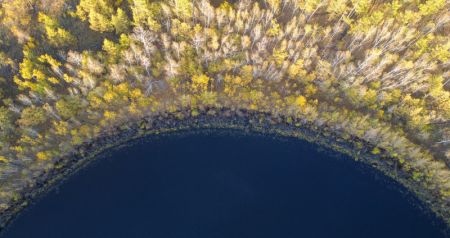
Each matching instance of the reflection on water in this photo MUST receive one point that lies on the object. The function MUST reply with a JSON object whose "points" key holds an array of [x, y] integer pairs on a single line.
{"points": [[223, 186]]}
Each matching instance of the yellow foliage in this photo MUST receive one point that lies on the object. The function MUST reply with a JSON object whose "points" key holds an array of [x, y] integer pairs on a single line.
{"points": [[310, 90], [311, 5], [362, 6], [136, 93], [274, 4], [3, 159], [200, 82], [39, 75], [200, 79], [67, 78], [95, 101], [56, 35], [109, 96], [111, 47], [378, 67], [110, 115], [154, 25], [442, 52], [376, 151], [195, 113], [61, 127], [208, 98], [279, 55], [45, 58], [122, 88], [275, 29], [182, 8], [133, 108], [300, 101], [431, 7], [43, 155], [337, 7], [53, 80], [296, 70]]}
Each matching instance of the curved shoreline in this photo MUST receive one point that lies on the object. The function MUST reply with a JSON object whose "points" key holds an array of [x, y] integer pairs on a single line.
{"points": [[245, 121]]}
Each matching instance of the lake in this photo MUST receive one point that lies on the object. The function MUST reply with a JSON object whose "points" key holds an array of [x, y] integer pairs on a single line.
{"points": [[225, 185]]}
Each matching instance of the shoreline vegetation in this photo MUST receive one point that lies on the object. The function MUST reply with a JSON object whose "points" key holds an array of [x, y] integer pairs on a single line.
{"points": [[213, 119], [371, 74]]}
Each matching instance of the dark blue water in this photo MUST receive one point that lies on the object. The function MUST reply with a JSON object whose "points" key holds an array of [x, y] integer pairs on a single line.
{"points": [[223, 186]]}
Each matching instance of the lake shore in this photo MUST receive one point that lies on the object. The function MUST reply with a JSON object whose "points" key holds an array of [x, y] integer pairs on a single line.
{"points": [[213, 118]]}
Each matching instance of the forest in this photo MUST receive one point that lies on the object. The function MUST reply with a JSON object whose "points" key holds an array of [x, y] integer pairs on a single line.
{"points": [[377, 70]]}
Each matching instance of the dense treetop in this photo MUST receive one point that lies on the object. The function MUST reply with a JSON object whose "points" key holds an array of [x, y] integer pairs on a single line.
{"points": [[374, 70]]}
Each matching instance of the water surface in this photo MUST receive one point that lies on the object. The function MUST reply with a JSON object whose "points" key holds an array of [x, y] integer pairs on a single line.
{"points": [[224, 186]]}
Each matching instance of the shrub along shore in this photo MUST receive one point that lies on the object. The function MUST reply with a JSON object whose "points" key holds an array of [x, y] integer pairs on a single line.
{"points": [[185, 122]]}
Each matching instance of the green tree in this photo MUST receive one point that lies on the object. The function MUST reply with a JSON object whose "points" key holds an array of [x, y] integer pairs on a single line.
{"points": [[6, 124], [56, 35], [120, 21], [98, 13], [182, 8], [69, 107]]}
